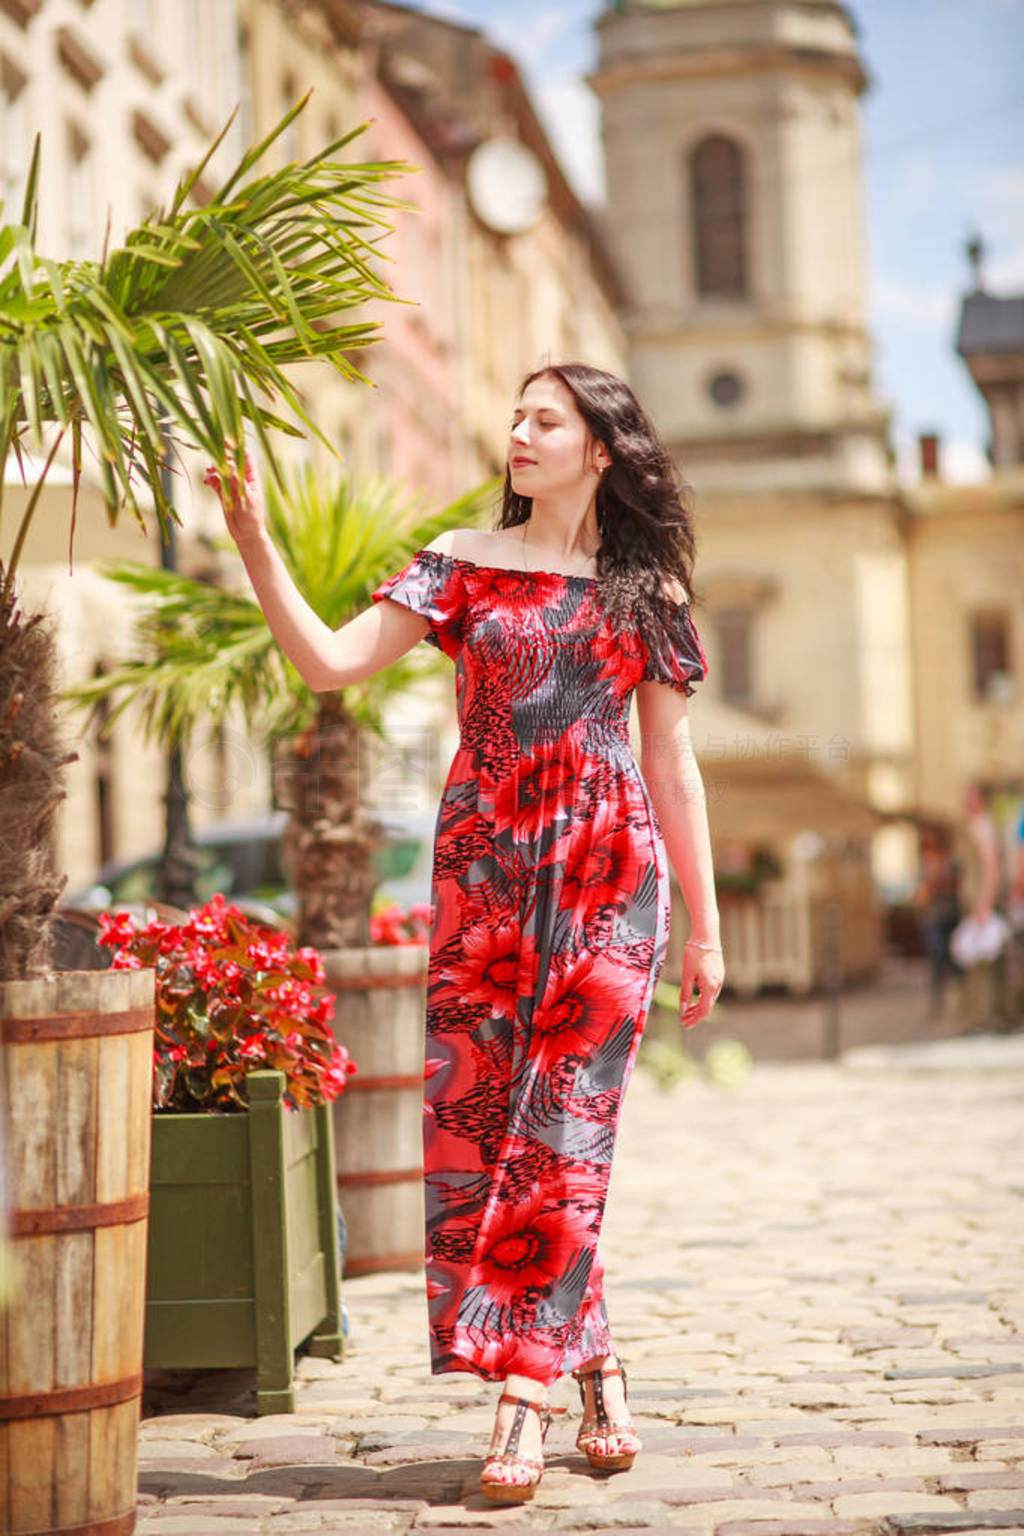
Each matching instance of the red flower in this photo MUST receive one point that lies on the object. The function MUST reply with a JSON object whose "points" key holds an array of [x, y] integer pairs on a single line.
{"points": [[313, 960], [232, 996], [600, 864], [491, 956], [584, 996], [545, 791], [126, 961], [389, 924], [116, 928], [529, 1244], [260, 955]]}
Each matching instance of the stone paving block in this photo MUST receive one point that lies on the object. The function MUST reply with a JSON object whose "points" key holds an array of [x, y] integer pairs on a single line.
{"points": [[864, 1341], [970, 1434], [664, 1472], [269, 1424], [814, 1457], [971, 1476], [866, 1506], [956, 1371], [720, 1511], [961, 1520], [252, 1505], [460, 1516], [166, 1450], [288, 1451], [333, 1506], [997, 1498], [647, 1518], [823, 1527], [945, 1299], [413, 1452], [298, 1521], [211, 1471], [846, 1438], [689, 1443], [842, 1486], [162, 1524]]}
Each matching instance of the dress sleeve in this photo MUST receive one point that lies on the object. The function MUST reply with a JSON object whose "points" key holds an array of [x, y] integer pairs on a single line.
{"points": [[430, 585], [674, 652]]}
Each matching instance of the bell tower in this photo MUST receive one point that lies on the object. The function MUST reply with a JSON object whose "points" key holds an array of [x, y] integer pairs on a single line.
{"points": [[732, 140]]}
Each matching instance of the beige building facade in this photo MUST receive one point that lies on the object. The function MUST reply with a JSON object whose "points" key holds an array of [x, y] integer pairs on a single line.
{"points": [[541, 288], [734, 157], [967, 572], [872, 630], [126, 95]]}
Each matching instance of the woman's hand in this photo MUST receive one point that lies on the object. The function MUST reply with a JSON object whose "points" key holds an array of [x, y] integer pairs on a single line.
{"points": [[703, 969], [241, 502]]}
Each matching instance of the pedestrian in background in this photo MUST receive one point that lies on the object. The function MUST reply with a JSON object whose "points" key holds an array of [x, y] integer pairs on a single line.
{"points": [[984, 992], [937, 899], [1015, 917], [551, 880]]}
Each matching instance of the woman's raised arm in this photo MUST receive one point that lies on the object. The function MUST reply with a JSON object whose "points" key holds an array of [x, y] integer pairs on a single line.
{"points": [[326, 658]]}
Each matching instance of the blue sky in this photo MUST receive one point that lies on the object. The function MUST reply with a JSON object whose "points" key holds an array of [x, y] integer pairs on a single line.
{"points": [[944, 133]]}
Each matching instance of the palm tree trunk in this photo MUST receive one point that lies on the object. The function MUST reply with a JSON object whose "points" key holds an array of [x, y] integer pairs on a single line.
{"points": [[32, 760], [330, 836]]}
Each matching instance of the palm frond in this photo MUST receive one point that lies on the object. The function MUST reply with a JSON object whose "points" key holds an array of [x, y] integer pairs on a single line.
{"points": [[190, 328]]}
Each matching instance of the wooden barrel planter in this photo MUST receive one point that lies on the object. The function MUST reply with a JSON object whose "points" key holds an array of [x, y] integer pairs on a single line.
{"points": [[76, 1061], [378, 1120]]}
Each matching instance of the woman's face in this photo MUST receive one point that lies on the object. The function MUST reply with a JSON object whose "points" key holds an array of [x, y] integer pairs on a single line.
{"points": [[550, 448]]}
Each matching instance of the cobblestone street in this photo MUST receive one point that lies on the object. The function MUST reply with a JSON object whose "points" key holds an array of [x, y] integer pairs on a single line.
{"points": [[815, 1280]]}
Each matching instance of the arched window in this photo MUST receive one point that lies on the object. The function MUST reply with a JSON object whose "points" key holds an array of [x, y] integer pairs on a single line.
{"points": [[718, 205]]}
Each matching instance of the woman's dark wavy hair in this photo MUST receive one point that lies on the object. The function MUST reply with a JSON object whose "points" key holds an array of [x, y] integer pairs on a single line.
{"points": [[644, 508]]}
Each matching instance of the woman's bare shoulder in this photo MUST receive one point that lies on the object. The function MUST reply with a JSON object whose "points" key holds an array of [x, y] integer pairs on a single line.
{"points": [[460, 543]]}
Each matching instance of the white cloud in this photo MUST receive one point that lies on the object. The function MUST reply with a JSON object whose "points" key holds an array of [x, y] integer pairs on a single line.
{"points": [[915, 184], [922, 305], [571, 115], [529, 40], [1001, 219]]}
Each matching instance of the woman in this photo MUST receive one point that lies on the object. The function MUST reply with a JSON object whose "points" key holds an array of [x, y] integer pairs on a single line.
{"points": [[551, 885], [937, 901]]}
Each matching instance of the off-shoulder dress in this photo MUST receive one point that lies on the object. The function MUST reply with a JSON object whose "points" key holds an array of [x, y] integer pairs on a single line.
{"points": [[550, 925]]}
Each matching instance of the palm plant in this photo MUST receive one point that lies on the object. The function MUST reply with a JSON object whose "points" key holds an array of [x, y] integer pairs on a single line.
{"points": [[207, 657], [182, 336]]}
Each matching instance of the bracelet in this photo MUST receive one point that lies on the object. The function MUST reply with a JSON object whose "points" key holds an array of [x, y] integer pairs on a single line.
{"points": [[716, 949]]}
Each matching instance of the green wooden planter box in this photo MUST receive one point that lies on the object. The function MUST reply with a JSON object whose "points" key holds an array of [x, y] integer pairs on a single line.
{"points": [[243, 1243]]}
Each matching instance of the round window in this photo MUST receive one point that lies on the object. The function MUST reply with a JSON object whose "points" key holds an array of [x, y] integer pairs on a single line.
{"points": [[726, 388]]}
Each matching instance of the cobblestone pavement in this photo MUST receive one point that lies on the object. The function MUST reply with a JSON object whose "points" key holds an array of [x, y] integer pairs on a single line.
{"points": [[815, 1280]]}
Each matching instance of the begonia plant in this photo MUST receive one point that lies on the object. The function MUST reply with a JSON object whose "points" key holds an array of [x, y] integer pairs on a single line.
{"points": [[232, 996]]}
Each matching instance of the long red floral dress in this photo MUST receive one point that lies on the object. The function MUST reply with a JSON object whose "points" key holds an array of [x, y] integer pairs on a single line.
{"points": [[551, 912]]}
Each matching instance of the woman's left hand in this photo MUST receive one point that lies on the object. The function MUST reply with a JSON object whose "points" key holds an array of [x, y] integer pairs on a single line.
{"points": [[703, 970]]}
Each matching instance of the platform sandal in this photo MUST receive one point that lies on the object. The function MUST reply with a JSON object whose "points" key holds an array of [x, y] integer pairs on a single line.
{"points": [[498, 1490], [596, 1432]]}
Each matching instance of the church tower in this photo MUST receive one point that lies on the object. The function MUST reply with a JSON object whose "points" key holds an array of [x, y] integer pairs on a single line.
{"points": [[732, 142]]}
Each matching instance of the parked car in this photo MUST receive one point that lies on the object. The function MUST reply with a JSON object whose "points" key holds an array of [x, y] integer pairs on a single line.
{"points": [[244, 860]]}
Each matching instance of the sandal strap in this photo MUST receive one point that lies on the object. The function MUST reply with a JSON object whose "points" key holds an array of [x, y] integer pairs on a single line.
{"points": [[601, 1423], [512, 1459], [523, 1402], [510, 1452]]}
